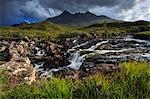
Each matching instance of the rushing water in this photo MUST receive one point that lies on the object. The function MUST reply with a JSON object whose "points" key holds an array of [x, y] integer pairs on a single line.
{"points": [[76, 59], [39, 51], [139, 50]]}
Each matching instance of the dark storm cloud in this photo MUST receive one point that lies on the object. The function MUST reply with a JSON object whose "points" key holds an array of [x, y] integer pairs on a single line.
{"points": [[81, 5], [12, 10]]}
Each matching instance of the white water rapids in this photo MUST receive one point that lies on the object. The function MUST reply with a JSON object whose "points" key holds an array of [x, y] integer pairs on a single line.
{"points": [[76, 59]]}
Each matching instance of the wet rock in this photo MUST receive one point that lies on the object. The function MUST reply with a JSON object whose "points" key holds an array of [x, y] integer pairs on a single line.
{"points": [[55, 48], [49, 53], [4, 54], [36, 59], [104, 46], [85, 52], [88, 64], [142, 36]]}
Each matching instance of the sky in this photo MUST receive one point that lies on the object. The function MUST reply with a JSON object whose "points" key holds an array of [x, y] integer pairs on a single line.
{"points": [[16, 11]]}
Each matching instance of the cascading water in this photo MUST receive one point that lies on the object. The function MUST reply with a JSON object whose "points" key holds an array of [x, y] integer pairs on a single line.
{"points": [[76, 59], [77, 54], [40, 52], [92, 48]]}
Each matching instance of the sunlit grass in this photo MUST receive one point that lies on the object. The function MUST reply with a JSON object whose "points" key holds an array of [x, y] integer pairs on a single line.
{"points": [[132, 80]]}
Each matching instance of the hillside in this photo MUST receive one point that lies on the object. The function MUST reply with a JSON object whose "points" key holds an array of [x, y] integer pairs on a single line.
{"points": [[118, 28], [45, 30], [95, 26]]}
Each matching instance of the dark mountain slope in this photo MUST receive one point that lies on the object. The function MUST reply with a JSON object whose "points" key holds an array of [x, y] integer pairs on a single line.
{"points": [[80, 19]]}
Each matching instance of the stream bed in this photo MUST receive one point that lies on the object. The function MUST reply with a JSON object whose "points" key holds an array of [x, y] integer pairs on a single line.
{"points": [[93, 52]]}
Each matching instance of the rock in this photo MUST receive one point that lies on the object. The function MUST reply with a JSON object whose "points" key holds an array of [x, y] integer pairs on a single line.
{"points": [[104, 47], [32, 77], [2, 48], [18, 64], [26, 39], [67, 73], [40, 58], [5, 55], [18, 50], [102, 68], [142, 36], [4, 43], [2, 62], [20, 70], [58, 57], [85, 52], [55, 48], [88, 64]]}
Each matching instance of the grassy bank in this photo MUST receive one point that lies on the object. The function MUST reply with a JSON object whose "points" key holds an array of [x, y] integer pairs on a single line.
{"points": [[132, 80], [146, 33], [43, 30], [47, 30]]}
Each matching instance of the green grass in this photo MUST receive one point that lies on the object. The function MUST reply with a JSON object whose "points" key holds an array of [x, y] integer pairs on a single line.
{"points": [[43, 30], [3, 81], [54, 88], [131, 81], [47, 30], [144, 33]]}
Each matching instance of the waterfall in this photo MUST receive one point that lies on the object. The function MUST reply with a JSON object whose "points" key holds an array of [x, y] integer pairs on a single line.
{"points": [[77, 55], [40, 52], [76, 59], [92, 48]]}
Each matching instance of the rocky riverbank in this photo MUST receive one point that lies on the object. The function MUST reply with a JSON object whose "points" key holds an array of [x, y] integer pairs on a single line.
{"points": [[73, 57]]}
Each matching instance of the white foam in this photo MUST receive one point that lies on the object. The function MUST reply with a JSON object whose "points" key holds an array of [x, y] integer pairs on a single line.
{"points": [[80, 45], [40, 52], [76, 59], [137, 40], [92, 48]]}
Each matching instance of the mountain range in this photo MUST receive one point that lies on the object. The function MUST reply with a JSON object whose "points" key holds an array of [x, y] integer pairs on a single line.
{"points": [[81, 19]]}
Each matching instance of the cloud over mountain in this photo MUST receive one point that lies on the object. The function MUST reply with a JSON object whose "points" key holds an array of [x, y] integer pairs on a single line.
{"points": [[13, 11]]}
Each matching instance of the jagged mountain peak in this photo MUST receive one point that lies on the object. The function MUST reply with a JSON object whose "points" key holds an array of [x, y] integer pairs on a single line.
{"points": [[66, 13], [79, 18]]}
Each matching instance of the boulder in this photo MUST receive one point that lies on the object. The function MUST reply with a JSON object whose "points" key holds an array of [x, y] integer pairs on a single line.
{"points": [[4, 54], [104, 47], [19, 66], [102, 68], [26, 39], [55, 48], [18, 50], [19, 71]]}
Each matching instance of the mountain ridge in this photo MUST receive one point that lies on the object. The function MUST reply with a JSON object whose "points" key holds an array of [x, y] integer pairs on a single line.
{"points": [[80, 19]]}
